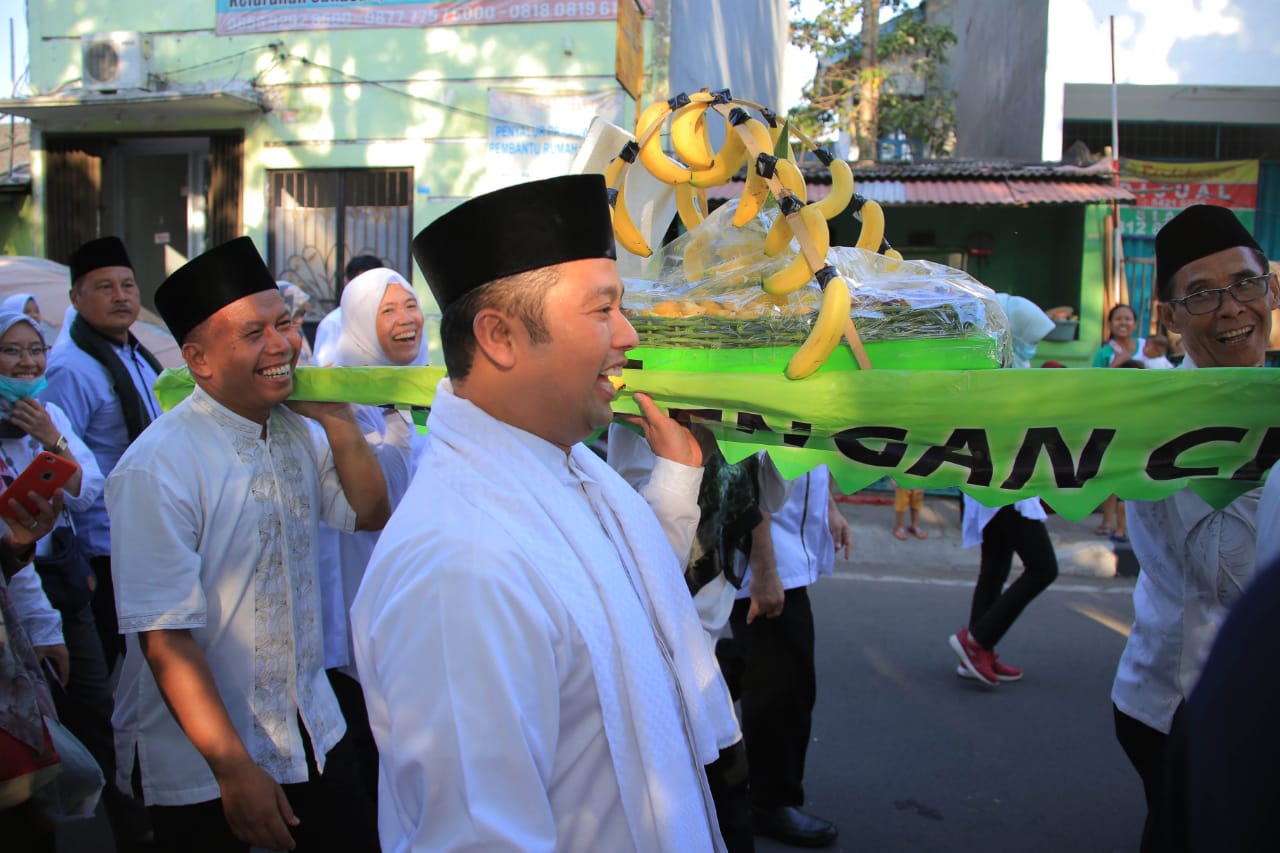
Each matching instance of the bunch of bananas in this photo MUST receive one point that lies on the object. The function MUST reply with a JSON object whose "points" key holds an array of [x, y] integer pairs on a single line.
{"points": [[752, 142]]}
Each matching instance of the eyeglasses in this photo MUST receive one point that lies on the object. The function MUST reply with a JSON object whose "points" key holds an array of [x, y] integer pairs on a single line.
{"points": [[35, 351], [1208, 301]]}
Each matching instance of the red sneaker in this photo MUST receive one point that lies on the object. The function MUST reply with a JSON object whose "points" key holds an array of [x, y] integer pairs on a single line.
{"points": [[976, 660], [1003, 671]]}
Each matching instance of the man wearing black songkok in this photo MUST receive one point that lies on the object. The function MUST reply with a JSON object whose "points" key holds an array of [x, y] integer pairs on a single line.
{"points": [[524, 606], [102, 378], [1215, 290], [223, 696]]}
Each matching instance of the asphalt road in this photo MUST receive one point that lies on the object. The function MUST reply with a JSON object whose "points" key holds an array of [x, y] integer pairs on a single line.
{"points": [[906, 756]]}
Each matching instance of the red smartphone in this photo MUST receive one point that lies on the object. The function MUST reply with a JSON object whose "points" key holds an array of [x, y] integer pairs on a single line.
{"points": [[45, 475]]}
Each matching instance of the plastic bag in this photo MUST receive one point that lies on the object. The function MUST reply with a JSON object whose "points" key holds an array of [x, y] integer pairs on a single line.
{"points": [[703, 291]]}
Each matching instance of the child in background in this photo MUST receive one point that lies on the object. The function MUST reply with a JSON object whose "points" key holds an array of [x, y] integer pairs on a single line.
{"points": [[1155, 353], [904, 499]]}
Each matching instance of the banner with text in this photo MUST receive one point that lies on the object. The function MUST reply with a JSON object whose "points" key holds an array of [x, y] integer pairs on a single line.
{"points": [[534, 135], [236, 17], [1163, 189], [1071, 437]]}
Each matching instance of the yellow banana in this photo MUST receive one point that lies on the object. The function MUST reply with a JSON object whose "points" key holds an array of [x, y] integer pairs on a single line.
{"points": [[687, 207], [624, 229], [893, 254], [756, 190], [779, 235], [872, 226], [727, 162], [827, 329], [793, 276], [689, 135], [834, 202], [652, 156]]}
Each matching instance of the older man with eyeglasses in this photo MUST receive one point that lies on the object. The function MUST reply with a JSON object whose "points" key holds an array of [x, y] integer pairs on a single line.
{"points": [[1215, 290]]}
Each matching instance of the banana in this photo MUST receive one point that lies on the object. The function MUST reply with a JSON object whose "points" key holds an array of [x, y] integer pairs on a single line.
{"points": [[652, 156], [698, 255], [893, 254], [872, 226], [727, 162], [624, 229], [779, 235], [827, 329], [687, 207], [793, 276], [756, 191], [834, 202], [689, 135]]}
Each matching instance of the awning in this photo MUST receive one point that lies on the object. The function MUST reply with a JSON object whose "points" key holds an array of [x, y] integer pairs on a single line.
{"points": [[998, 192], [67, 110]]}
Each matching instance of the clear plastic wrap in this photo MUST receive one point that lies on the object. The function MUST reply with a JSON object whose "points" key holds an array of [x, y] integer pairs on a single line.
{"points": [[703, 291]]}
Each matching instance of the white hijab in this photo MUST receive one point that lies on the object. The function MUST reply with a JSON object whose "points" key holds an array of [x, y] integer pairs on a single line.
{"points": [[357, 343]]}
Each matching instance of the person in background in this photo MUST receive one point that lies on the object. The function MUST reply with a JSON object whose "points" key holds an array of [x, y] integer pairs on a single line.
{"points": [[1215, 290], [769, 662], [102, 380], [297, 300], [28, 761], [331, 324], [1155, 353], [904, 500], [381, 327], [223, 698], [524, 606], [25, 303], [1121, 348], [1002, 532]]}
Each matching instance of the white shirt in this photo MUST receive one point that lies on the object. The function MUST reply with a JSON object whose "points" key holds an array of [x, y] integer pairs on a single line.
{"points": [[1268, 547], [977, 516], [802, 543], [42, 622], [482, 690], [344, 556], [1195, 561], [1160, 362], [213, 530]]}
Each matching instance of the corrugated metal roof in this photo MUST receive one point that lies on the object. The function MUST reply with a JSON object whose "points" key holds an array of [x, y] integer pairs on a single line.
{"points": [[970, 192]]}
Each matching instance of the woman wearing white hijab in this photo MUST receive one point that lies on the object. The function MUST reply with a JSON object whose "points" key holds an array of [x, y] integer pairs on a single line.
{"points": [[26, 303], [381, 327]]}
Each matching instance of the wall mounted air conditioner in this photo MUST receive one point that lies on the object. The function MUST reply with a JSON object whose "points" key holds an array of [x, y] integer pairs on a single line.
{"points": [[117, 60]]}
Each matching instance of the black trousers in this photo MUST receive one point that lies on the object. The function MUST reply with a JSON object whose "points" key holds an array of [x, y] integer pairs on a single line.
{"points": [[104, 612], [995, 609], [364, 749], [331, 820], [85, 707], [769, 666], [1148, 752]]}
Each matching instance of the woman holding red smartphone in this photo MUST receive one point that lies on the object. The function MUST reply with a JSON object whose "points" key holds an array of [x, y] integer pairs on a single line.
{"points": [[67, 636]]}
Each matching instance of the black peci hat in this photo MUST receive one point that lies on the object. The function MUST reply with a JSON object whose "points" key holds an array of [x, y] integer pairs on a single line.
{"points": [[209, 282], [96, 254], [1197, 232], [514, 230]]}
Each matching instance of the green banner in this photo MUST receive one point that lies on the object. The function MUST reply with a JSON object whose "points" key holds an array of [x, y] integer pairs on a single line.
{"points": [[1071, 437]]}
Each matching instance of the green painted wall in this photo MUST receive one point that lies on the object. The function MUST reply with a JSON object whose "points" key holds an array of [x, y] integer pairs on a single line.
{"points": [[1050, 254]]}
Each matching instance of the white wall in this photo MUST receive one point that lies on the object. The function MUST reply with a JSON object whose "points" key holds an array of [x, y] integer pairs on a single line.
{"points": [[1158, 42]]}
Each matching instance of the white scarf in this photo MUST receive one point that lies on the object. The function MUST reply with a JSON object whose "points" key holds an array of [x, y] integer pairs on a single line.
{"points": [[357, 343], [652, 743]]}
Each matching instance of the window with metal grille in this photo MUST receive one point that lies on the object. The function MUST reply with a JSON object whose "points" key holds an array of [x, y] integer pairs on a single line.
{"points": [[322, 218], [1175, 141]]}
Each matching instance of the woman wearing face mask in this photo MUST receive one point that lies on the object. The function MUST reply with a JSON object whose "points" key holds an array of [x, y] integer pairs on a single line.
{"points": [[28, 427], [381, 327]]}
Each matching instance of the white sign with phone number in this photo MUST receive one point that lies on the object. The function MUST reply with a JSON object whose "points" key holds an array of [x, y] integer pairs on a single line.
{"points": [[264, 16]]}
